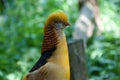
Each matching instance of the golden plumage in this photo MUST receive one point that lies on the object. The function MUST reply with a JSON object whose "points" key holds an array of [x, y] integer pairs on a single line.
{"points": [[54, 62]]}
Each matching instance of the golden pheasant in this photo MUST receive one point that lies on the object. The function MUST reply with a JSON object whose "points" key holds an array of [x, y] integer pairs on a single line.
{"points": [[54, 61]]}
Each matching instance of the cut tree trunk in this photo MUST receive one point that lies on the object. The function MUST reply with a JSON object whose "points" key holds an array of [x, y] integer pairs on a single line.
{"points": [[89, 14], [77, 60]]}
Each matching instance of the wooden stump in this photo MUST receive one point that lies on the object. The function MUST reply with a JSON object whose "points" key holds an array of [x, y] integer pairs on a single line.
{"points": [[77, 60]]}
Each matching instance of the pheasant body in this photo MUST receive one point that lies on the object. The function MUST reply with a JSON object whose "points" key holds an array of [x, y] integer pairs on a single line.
{"points": [[54, 61]]}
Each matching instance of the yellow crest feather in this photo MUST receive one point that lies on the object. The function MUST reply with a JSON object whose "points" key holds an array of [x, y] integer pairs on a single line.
{"points": [[57, 16]]}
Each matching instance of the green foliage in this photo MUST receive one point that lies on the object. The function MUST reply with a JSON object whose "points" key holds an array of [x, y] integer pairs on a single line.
{"points": [[103, 55], [21, 34], [104, 58]]}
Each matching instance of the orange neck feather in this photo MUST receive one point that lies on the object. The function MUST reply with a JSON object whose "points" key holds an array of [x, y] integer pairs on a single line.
{"points": [[50, 38]]}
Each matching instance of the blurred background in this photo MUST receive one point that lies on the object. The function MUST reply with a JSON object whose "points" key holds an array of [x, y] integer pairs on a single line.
{"points": [[21, 34]]}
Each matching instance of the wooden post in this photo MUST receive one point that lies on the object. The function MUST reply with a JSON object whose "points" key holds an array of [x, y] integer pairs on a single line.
{"points": [[77, 60]]}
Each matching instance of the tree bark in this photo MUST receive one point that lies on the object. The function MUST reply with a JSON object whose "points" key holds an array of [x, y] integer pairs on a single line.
{"points": [[77, 60]]}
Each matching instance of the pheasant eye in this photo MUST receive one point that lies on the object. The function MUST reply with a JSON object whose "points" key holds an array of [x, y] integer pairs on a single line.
{"points": [[55, 21]]}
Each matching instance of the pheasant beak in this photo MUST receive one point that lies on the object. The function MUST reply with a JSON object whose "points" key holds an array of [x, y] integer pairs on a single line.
{"points": [[67, 24]]}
